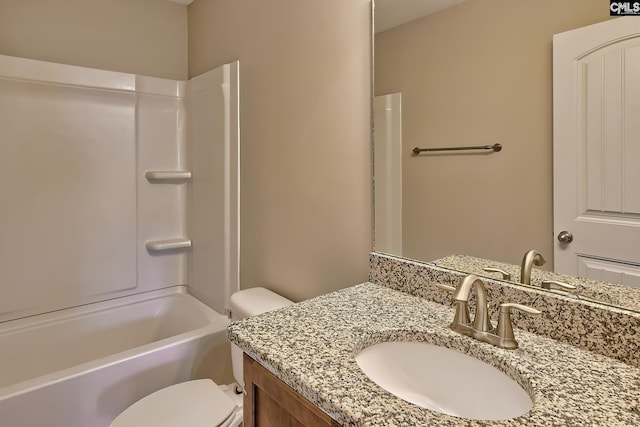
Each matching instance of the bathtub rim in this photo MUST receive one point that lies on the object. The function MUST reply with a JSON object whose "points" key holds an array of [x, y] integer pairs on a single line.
{"points": [[217, 325], [11, 325]]}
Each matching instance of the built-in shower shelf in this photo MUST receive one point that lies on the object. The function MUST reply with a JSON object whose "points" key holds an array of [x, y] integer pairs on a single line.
{"points": [[176, 177], [168, 244]]}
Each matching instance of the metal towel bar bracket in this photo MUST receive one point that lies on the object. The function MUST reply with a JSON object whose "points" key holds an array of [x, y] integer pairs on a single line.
{"points": [[494, 147]]}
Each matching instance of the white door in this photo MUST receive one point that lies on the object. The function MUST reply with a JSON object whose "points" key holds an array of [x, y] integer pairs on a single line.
{"points": [[596, 96]]}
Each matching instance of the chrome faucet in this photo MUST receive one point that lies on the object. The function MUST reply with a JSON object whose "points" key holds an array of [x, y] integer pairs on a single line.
{"points": [[530, 258], [481, 327]]}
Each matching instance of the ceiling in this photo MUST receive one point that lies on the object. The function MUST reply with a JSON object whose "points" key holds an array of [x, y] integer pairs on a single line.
{"points": [[391, 13]]}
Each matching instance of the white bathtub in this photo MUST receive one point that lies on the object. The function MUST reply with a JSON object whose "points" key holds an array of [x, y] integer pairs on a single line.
{"points": [[81, 367]]}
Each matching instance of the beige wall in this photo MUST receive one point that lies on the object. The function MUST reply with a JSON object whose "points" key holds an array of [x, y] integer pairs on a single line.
{"points": [[147, 37], [305, 135], [477, 74]]}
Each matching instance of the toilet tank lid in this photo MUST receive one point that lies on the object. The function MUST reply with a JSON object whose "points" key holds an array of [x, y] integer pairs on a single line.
{"points": [[254, 301]]}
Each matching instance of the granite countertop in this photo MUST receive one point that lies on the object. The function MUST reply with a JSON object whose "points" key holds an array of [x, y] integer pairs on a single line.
{"points": [[312, 345]]}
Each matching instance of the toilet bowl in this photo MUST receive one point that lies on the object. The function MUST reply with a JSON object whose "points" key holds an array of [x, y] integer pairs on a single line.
{"points": [[203, 403]]}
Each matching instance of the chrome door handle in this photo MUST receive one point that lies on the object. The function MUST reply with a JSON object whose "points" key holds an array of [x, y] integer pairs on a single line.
{"points": [[565, 237]]}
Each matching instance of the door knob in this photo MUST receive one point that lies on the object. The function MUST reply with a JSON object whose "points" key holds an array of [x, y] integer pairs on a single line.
{"points": [[565, 237]]}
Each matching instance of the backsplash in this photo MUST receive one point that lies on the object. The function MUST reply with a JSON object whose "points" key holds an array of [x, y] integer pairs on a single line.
{"points": [[605, 330]]}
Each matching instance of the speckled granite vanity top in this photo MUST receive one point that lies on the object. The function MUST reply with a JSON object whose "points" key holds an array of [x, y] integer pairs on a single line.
{"points": [[311, 346]]}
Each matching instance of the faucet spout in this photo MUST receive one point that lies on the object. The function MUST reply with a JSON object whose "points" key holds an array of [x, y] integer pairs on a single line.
{"points": [[461, 295], [530, 258]]}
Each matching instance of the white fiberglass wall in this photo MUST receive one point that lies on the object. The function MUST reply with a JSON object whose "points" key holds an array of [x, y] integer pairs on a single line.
{"points": [[92, 206]]}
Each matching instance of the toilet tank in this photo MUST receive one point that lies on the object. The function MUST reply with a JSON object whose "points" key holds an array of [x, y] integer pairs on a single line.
{"points": [[247, 303], [254, 301]]}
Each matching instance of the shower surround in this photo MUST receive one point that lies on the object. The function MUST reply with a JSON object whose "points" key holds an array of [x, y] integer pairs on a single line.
{"points": [[115, 188]]}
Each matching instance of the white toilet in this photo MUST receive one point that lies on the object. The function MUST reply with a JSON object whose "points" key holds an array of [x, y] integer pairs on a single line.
{"points": [[202, 403]]}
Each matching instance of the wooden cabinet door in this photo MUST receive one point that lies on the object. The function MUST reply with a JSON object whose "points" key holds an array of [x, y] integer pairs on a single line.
{"points": [[269, 402]]}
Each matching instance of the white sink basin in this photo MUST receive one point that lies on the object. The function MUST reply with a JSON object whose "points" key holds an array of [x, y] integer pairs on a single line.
{"points": [[444, 380]]}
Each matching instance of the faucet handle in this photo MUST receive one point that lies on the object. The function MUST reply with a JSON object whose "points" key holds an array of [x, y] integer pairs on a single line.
{"points": [[546, 284], [462, 316], [445, 287], [507, 306], [504, 329], [505, 275]]}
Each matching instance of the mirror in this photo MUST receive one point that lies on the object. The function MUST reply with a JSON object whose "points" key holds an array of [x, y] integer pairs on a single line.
{"points": [[471, 73]]}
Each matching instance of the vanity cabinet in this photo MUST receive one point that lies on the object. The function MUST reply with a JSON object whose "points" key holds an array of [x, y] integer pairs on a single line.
{"points": [[269, 402]]}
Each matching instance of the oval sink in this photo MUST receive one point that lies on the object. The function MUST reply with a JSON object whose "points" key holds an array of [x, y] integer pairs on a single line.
{"points": [[444, 380]]}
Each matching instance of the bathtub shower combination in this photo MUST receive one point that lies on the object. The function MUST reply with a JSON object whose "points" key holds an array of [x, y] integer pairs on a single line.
{"points": [[120, 237]]}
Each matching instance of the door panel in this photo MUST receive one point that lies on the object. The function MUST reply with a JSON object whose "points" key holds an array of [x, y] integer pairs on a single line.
{"points": [[597, 149], [609, 271]]}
